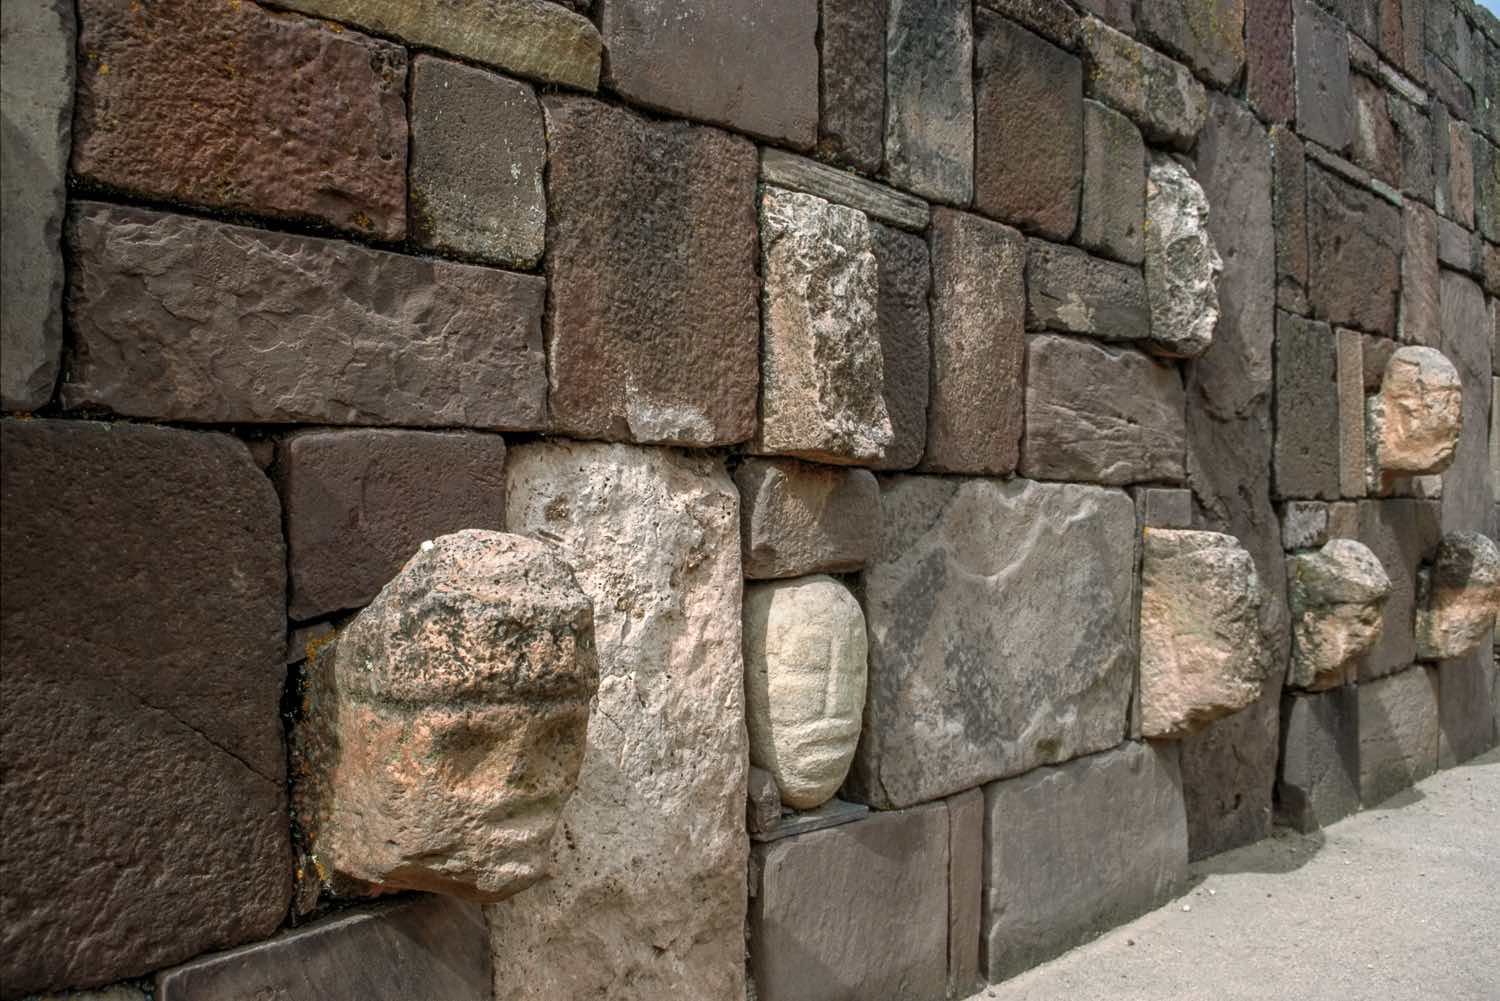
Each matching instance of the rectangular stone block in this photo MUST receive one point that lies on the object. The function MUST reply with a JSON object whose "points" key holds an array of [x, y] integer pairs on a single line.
{"points": [[1461, 173], [1269, 84], [1070, 291], [1351, 406], [1466, 718], [1317, 779], [1101, 414], [1054, 20], [1304, 524], [1116, 816], [797, 518], [1420, 302], [1398, 733], [929, 98], [1111, 217], [965, 890], [1457, 247], [1325, 101], [184, 319], [1414, 144], [1403, 534], [1290, 219], [1467, 499], [1159, 95], [858, 911], [904, 323], [1354, 246], [1447, 87], [798, 173], [1207, 35], [1161, 507], [969, 678], [1487, 185], [1375, 146], [851, 98]]}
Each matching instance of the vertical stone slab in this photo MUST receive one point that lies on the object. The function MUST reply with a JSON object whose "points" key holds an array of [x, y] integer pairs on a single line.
{"points": [[1325, 101], [1354, 246], [851, 98], [1461, 173], [904, 321], [1269, 82], [1467, 500], [1113, 209], [1414, 143], [965, 890], [1317, 778], [1466, 719], [1398, 733], [1421, 300], [1290, 219], [648, 896], [929, 98], [1404, 534], [1351, 393], [37, 95], [1307, 410]]}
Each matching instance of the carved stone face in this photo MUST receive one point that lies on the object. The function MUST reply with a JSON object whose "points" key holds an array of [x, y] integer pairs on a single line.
{"points": [[1415, 420], [1458, 596], [1337, 597]]}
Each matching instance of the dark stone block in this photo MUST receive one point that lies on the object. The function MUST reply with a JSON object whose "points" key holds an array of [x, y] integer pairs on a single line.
{"points": [[1069, 291], [1269, 83], [904, 323], [1317, 780], [1111, 219], [929, 105], [1208, 35], [1325, 102], [851, 101], [1290, 219], [1403, 534], [1354, 247], [1306, 457]]}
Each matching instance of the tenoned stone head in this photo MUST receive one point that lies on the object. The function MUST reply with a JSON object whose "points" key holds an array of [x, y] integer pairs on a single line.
{"points": [[1337, 597], [1458, 596], [1413, 423]]}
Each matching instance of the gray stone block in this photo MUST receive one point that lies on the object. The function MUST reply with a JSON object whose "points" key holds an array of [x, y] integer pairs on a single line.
{"points": [[904, 323], [1304, 524], [929, 105], [1457, 247], [1398, 733], [797, 518], [851, 99], [1354, 247], [1290, 219], [1404, 534], [1465, 326], [1420, 303], [1163, 507], [1306, 458], [1158, 94], [1113, 209], [798, 173], [1208, 35], [1325, 100], [1071, 291], [1351, 406], [965, 890], [1317, 779], [1466, 720]]}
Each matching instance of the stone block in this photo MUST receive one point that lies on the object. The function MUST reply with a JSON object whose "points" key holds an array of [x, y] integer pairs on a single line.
{"points": [[1467, 501], [1404, 534], [1317, 780], [1449, 36], [426, 947], [1458, 597], [965, 890], [1100, 414], [1457, 247], [1207, 35], [1351, 393], [969, 678], [1182, 266], [1343, 520], [763, 805], [851, 99], [1461, 173], [477, 155], [1028, 94], [1439, 120], [1398, 733], [797, 518], [1375, 146], [1228, 777], [978, 345], [1421, 304], [1070, 291], [1336, 596], [751, 68], [1354, 245], [652, 256], [1054, 20], [1157, 94], [1304, 524], [38, 96], [358, 503], [834, 813], [1289, 207], [904, 323], [1466, 716], [144, 789], [858, 911], [929, 98], [1112, 214], [1118, 14], [1491, 265], [798, 173], [1414, 134], [1162, 507], [1269, 84], [1117, 816], [1377, 352], [650, 884], [193, 130], [184, 319], [1487, 186], [1325, 100], [1444, 85]]}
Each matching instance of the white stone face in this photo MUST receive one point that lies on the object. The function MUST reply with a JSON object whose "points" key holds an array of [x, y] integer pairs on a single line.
{"points": [[1413, 423], [1182, 266], [1458, 596], [1337, 595]]}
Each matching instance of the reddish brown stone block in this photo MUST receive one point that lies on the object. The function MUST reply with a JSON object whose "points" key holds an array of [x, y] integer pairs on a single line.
{"points": [[851, 101], [1354, 246]]}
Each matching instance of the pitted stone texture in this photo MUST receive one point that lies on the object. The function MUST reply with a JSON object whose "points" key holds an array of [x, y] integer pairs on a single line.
{"points": [[1100, 414], [649, 878], [978, 345], [1208, 35], [1070, 291], [1182, 266], [1054, 20], [904, 321], [1162, 507], [477, 155], [144, 790], [1421, 296], [1468, 504], [1028, 94], [805, 656], [822, 371], [359, 503], [1458, 597], [763, 803], [654, 335], [1112, 216], [1336, 596], [970, 680], [929, 100], [1405, 534], [1157, 94], [751, 67], [1398, 733], [176, 101], [1306, 456], [38, 99], [183, 319], [1325, 99], [1354, 245], [797, 518], [1413, 423], [1202, 656], [1117, 816], [1290, 219], [851, 98], [965, 890], [1304, 524], [799, 173], [1269, 84], [532, 38], [1317, 779]]}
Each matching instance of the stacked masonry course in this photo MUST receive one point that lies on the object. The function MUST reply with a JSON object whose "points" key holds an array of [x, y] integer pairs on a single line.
{"points": [[1011, 448]]}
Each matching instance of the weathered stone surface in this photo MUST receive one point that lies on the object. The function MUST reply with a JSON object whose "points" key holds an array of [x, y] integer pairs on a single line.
{"points": [[1304, 524], [822, 373], [427, 947], [834, 813], [1306, 459], [859, 911], [1208, 35], [1404, 534], [1487, 186], [1054, 20], [1181, 265], [653, 331], [1028, 95], [1421, 303], [1461, 173], [1414, 142], [798, 173], [177, 318], [1117, 816], [477, 154], [1162, 507], [965, 890], [904, 322], [152, 122], [1119, 14], [1468, 504], [970, 679], [1325, 99], [1350, 349], [805, 675], [1458, 597], [1413, 423], [1457, 247], [1438, 139], [1317, 780], [1374, 146], [1112, 216], [1336, 596], [1354, 245], [1445, 86], [752, 68], [1269, 84], [851, 98], [1353, 173], [978, 345], [1100, 414], [1289, 208], [1398, 733], [763, 804], [532, 38], [1466, 715], [359, 503], [1157, 94], [38, 102], [1070, 291], [650, 881], [797, 518], [144, 790], [929, 98]]}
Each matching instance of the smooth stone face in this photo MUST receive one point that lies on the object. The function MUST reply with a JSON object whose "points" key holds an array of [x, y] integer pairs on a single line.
{"points": [[652, 260], [1466, 708], [193, 130], [1398, 733], [1413, 423], [969, 678], [929, 98], [1458, 597], [1162, 507], [904, 321], [1404, 534], [804, 684], [38, 100], [1202, 656], [822, 371], [1317, 779], [1070, 291], [144, 788], [649, 885], [1157, 94], [183, 319], [1325, 101], [1306, 456], [1182, 266], [797, 518], [1111, 218], [1336, 596], [1117, 816], [851, 95], [1208, 35], [1354, 246]]}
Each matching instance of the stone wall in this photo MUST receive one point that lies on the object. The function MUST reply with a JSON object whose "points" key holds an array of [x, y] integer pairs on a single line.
{"points": [[957, 413]]}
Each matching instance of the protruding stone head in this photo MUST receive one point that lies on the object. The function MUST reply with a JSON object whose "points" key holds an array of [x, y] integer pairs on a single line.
{"points": [[1413, 423], [1337, 595], [444, 728], [805, 677], [1458, 596], [1182, 265]]}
